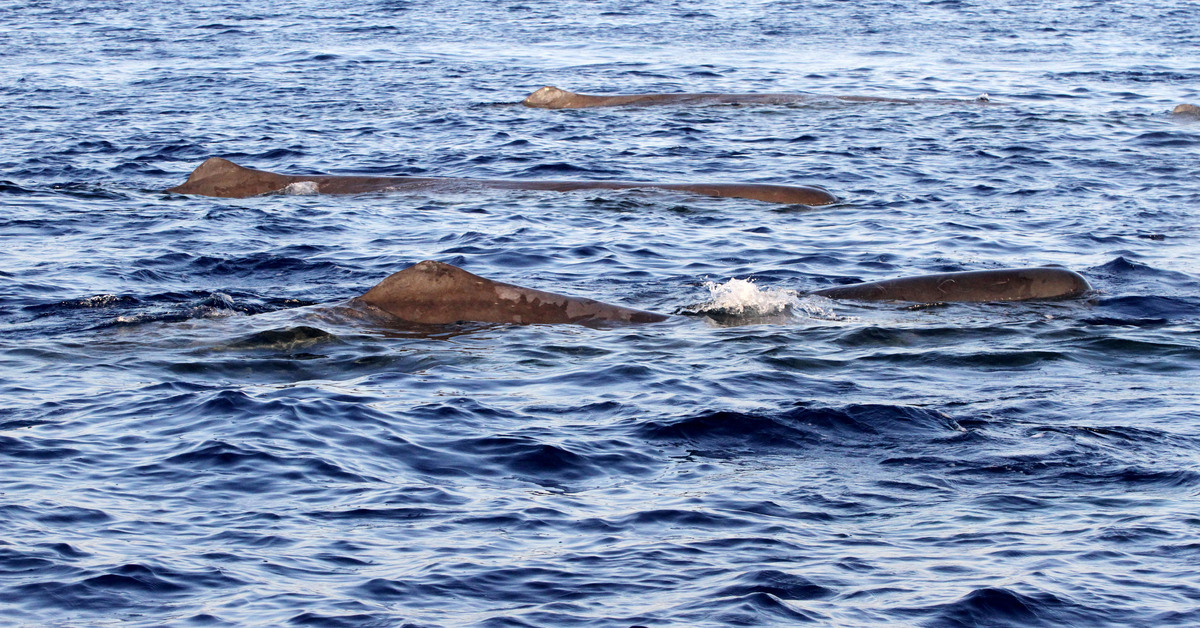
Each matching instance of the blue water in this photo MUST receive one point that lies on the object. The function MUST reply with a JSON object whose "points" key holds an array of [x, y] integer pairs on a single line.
{"points": [[192, 433]]}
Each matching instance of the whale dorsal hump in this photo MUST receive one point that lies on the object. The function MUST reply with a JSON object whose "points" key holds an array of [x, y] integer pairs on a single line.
{"points": [[1192, 111], [549, 97], [223, 178]]}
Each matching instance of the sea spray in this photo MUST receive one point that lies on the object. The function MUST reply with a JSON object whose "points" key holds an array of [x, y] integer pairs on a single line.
{"points": [[742, 299]]}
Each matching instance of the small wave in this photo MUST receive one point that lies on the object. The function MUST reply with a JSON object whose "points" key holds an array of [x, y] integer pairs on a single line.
{"points": [[800, 427], [276, 153], [218, 305], [1123, 76], [1167, 138], [123, 586], [259, 264], [547, 464], [997, 606], [1123, 276], [71, 516], [1125, 266], [1148, 310], [561, 168], [88, 191], [781, 584], [288, 339], [259, 470], [8, 187]]}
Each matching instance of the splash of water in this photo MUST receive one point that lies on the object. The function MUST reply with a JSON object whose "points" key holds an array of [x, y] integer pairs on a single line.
{"points": [[741, 298]]}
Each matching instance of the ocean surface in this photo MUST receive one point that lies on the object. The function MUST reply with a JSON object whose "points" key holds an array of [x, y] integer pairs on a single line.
{"points": [[193, 432]]}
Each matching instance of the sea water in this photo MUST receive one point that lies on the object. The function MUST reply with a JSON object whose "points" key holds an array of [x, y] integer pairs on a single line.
{"points": [[193, 432]]}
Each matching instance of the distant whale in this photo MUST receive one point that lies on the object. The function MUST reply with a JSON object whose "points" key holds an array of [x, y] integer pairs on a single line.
{"points": [[223, 178], [434, 293], [1020, 284], [550, 97], [1187, 111]]}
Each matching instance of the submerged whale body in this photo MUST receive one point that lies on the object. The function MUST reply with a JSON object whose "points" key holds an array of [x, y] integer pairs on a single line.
{"points": [[977, 286], [223, 178], [550, 97], [434, 293]]}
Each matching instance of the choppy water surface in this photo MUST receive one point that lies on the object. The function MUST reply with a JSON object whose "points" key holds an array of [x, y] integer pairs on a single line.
{"points": [[191, 433]]}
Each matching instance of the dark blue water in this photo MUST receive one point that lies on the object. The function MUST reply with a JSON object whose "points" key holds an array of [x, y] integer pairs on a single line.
{"points": [[193, 434]]}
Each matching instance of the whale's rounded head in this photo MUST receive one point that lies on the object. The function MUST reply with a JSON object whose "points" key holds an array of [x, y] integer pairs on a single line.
{"points": [[1191, 111], [548, 97]]}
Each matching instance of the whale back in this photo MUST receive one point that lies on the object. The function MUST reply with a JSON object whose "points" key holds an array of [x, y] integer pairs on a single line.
{"points": [[549, 97], [1187, 111], [225, 179], [434, 293], [971, 286]]}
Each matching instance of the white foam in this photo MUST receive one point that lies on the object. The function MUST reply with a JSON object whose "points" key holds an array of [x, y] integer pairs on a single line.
{"points": [[741, 298], [817, 307]]}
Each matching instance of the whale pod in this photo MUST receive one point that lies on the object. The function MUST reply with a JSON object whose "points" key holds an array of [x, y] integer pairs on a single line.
{"points": [[1021, 284], [223, 178], [435, 293], [550, 97]]}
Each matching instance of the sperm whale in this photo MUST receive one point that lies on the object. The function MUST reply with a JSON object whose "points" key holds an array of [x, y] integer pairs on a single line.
{"points": [[223, 178], [437, 293], [550, 97], [1021, 284]]}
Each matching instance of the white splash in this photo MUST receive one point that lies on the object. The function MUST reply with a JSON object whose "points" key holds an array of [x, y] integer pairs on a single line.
{"points": [[300, 188], [740, 297]]}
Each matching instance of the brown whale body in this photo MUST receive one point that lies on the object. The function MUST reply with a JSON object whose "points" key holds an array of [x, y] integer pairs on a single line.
{"points": [[971, 286], [551, 97], [434, 293], [223, 178], [1186, 111]]}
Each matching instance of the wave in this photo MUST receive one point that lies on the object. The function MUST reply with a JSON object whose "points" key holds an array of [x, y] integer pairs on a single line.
{"points": [[120, 587], [1001, 606], [726, 432]]}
